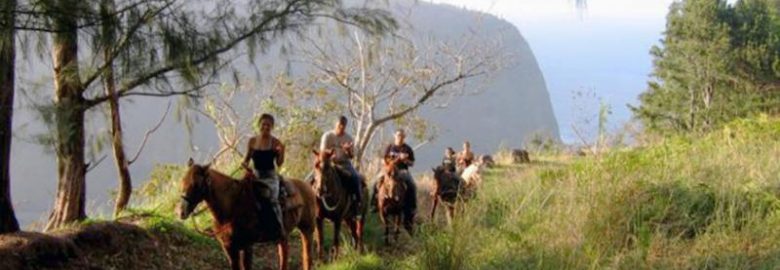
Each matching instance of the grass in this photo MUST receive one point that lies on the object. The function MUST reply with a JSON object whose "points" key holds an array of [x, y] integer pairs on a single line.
{"points": [[706, 202]]}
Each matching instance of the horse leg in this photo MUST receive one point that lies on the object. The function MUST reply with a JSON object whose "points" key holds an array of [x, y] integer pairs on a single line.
{"points": [[359, 225], [397, 228], [334, 253], [433, 208], [352, 223], [284, 252], [387, 224], [246, 258], [450, 214], [409, 224], [306, 239], [320, 239], [233, 255]]}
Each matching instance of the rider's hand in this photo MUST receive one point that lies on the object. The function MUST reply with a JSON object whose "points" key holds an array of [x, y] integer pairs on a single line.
{"points": [[279, 148], [346, 146]]}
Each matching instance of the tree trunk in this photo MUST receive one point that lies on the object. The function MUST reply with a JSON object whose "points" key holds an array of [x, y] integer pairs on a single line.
{"points": [[8, 221], [117, 141], [120, 158], [68, 124]]}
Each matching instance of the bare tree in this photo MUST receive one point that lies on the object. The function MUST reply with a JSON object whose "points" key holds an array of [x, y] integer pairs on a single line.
{"points": [[385, 80]]}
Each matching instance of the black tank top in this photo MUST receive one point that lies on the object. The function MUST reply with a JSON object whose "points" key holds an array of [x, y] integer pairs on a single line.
{"points": [[264, 160]]}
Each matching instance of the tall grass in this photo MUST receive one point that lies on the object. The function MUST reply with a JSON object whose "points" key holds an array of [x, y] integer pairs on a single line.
{"points": [[709, 202]]}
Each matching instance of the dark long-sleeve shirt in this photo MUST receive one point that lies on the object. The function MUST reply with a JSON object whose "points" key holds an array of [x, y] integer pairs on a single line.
{"points": [[392, 151]]}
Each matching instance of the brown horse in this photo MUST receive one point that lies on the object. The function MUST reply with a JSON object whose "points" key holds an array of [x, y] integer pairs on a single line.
{"points": [[335, 204], [448, 188], [231, 203], [392, 202]]}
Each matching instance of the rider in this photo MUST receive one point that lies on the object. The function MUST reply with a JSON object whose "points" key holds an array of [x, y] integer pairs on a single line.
{"points": [[266, 153], [342, 145], [466, 157], [449, 161], [404, 155]]}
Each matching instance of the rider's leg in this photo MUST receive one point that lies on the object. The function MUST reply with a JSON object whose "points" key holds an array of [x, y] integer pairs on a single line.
{"points": [[277, 208], [356, 184], [411, 193]]}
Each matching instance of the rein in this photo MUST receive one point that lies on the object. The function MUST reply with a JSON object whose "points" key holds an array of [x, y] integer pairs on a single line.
{"points": [[332, 208]]}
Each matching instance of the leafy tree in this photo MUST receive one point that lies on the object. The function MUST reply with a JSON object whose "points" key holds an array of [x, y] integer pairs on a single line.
{"points": [[716, 62], [154, 44]]}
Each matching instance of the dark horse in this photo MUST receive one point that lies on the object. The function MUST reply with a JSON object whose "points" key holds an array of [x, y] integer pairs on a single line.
{"points": [[448, 189], [392, 202], [335, 204], [236, 221]]}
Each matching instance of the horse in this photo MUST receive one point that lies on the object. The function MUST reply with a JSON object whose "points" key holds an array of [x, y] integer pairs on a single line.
{"points": [[232, 206], [447, 190], [392, 202], [334, 204]]}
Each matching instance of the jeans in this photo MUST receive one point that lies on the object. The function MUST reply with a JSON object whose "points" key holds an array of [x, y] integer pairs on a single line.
{"points": [[354, 183]]}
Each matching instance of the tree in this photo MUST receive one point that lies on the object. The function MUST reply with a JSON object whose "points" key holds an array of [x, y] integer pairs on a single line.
{"points": [[297, 109], [8, 221], [387, 80], [159, 42], [717, 62]]}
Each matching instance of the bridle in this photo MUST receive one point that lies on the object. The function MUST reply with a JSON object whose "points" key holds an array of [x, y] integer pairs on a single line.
{"points": [[201, 187], [331, 173]]}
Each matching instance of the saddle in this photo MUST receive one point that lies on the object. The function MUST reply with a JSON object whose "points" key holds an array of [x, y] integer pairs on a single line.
{"points": [[286, 191]]}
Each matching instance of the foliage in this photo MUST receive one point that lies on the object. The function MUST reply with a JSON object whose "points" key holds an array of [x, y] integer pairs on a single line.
{"points": [[717, 62]]}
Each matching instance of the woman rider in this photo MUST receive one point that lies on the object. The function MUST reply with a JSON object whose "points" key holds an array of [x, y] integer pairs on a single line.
{"points": [[266, 153]]}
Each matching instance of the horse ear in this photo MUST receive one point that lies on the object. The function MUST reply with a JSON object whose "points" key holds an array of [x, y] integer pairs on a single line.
{"points": [[190, 162], [207, 167], [316, 153]]}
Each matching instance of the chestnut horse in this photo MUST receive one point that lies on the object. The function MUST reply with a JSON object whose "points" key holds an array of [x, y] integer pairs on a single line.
{"points": [[335, 204], [448, 189], [231, 203], [392, 202]]}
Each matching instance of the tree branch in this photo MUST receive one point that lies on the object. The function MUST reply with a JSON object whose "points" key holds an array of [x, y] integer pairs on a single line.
{"points": [[424, 98], [148, 134], [261, 28]]}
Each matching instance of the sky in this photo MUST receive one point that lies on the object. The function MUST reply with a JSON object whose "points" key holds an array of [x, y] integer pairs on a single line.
{"points": [[601, 52]]}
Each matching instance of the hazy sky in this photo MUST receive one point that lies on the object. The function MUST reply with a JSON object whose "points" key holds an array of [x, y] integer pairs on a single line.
{"points": [[602, 50]]}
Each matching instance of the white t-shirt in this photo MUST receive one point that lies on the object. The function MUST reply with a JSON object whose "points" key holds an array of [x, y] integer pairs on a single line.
{"points": [[332, 141]]}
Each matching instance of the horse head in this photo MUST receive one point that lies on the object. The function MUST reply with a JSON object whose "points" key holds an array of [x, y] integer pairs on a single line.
{"points": [[392, 186], [325, 173], [194, 187]]}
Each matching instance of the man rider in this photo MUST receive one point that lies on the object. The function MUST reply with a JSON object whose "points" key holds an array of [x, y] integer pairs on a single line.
{"points": [[404, 154], [342, 145]]}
